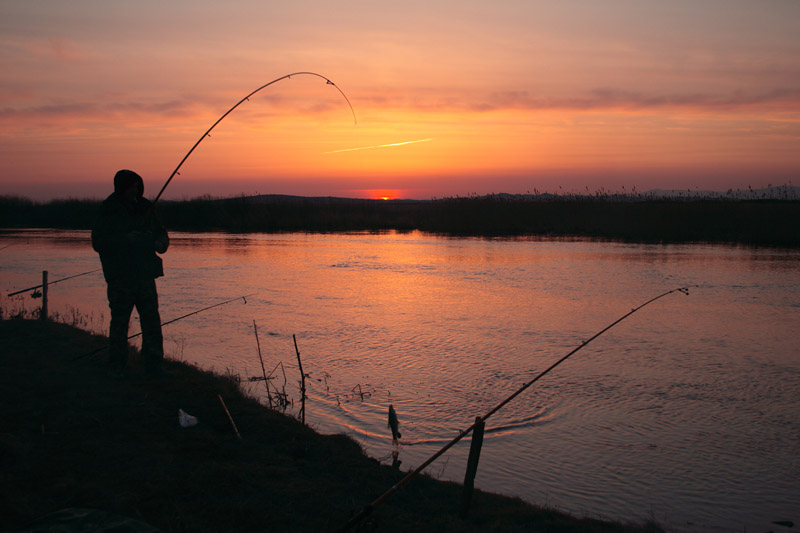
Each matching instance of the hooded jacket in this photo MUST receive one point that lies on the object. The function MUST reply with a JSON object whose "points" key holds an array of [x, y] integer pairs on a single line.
{"points": [[127, 235]]}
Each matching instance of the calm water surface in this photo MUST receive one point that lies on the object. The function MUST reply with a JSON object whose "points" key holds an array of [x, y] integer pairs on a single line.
{"points": [[688, 411]]}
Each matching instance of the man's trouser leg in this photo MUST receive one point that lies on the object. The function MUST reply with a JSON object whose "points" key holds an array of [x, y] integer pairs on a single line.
{"points": [[152, 339], [120, 302]]}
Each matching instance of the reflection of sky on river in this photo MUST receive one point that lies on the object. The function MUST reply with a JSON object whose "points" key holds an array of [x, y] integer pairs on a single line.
{"points": [[688, 408]]}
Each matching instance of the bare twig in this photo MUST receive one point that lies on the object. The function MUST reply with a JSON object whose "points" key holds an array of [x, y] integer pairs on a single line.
{"points": [[302, 383], [263, 370], [229, 416]]}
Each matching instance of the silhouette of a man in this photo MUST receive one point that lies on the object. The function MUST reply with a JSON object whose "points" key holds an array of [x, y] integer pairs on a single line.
{"points": [[127, 236]]}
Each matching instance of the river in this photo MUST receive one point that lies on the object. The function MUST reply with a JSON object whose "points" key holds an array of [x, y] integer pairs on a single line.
{"points": [[687, 412]]}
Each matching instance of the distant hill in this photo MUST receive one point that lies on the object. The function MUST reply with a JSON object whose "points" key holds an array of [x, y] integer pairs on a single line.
{"points": [[321, 200], [783, 192]]}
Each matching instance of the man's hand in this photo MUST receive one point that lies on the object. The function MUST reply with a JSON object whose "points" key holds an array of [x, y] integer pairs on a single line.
{"points": [[160, 246]]}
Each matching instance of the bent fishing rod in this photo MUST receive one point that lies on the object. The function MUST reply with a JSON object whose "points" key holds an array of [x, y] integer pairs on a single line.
{"points": [[370, 507], [243, 298], [245, 99], [53, 282]]}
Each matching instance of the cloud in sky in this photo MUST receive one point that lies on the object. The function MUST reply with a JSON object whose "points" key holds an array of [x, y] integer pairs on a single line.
{"points": [[548, 91], [611, 98]]}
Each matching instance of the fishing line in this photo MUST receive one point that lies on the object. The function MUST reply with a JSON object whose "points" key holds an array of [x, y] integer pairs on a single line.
{"points": [[53, 282], [243, 298], [370, 507], [246, 98]]}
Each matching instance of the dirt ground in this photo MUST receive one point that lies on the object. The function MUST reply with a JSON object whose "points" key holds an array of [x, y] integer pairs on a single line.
{"points": [[76, 441]]}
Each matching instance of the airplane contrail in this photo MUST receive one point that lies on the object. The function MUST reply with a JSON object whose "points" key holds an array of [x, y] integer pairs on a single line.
{"points": [[378, 146]]}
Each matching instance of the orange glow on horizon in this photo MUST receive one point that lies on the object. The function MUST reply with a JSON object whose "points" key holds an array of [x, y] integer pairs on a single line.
{"points": [[493, 143], [547, 96], [502, 150], [382, 194]]}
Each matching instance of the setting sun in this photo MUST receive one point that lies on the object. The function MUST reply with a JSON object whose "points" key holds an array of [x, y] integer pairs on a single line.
{"points": [[382, 194]]}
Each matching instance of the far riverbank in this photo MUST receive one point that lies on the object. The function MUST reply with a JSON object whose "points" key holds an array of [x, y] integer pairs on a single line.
{"points": [[756, 222]]}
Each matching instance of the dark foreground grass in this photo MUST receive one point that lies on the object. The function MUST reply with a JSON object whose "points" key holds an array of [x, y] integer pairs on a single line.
{"points": [[70, 437]]}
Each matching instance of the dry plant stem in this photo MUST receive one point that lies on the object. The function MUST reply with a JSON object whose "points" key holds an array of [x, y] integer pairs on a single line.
{"points": [[229, 416], [263, 370], [302, 383]]}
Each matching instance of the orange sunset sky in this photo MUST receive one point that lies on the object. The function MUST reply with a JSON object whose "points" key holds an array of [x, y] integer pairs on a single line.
{"points": [[502, 96]]}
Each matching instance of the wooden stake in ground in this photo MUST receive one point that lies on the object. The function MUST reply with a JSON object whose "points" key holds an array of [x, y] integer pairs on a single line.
{"points": [[229, 415], [43, 314], [472, 466]]}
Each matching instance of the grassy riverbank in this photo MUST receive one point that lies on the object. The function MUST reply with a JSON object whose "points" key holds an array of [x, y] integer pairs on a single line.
{"points": [[72, 437]]}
